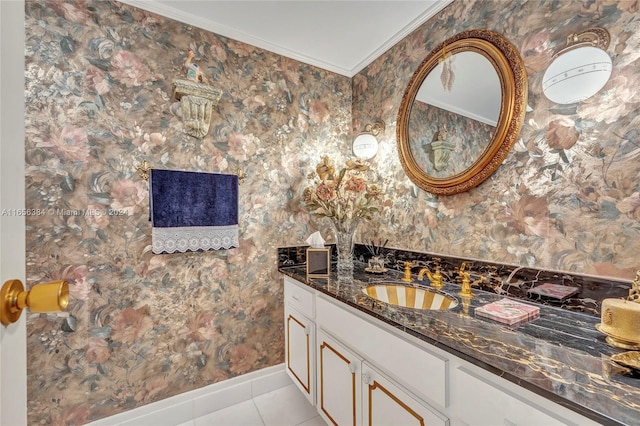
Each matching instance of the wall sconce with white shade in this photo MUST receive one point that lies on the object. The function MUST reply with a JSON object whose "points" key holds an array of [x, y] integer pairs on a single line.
{"points": [[580, 69], [44, 297], [365, 145]]}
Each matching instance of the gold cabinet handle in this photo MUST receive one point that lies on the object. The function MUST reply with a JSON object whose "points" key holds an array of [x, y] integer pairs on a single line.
{"points": [[44, 297]]}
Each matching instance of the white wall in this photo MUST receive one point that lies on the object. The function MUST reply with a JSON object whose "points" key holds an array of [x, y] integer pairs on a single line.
{"points": [[13, 342]]}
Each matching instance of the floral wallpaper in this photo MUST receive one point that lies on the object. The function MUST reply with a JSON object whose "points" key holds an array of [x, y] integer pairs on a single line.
{"points": [[143, 327], [567, 197], [99, 102], [437, 133]]}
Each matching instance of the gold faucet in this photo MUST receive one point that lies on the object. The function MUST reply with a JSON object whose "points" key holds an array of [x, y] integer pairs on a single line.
{"points": [[435, 278], [407, 272]]}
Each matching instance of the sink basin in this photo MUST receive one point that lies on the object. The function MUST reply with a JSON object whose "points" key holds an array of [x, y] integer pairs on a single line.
{"points": [[411, 297]]}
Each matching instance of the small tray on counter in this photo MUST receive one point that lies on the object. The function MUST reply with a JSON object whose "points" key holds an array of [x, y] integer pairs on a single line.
{"points": [[553, 291]]}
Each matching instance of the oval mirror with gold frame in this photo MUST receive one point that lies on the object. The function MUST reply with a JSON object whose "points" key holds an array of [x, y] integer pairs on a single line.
{"points": [[462, 112]]}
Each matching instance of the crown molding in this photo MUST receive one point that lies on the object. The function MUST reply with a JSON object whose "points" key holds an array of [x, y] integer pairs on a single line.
{"points": [[233, 33]]}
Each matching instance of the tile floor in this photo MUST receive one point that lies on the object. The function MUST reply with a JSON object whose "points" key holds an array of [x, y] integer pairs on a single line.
{"points": [[283, 407]]}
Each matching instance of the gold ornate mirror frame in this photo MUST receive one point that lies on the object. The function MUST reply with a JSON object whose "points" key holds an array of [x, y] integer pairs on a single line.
{"points": [[513, 82]]}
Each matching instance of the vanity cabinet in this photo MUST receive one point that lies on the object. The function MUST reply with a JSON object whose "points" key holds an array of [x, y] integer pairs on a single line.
{"points": [[300, 338], [371, 373]]}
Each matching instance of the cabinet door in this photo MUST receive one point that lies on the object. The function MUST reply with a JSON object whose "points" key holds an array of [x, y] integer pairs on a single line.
{"points": [[299, 338], [385, 403], [339, 382], [480, 402]]}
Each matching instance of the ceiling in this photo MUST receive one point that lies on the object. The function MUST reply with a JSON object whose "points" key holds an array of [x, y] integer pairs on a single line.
{"points": [[342, 36]]}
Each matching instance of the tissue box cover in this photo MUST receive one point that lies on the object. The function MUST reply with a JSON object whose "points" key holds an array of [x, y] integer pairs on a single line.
{"points": [[508, 311]]}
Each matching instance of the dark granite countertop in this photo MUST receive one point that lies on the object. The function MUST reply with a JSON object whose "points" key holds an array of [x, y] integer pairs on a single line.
{"points": [[560, 355]]}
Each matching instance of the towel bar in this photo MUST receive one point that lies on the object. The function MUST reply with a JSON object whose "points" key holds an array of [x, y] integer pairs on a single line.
{"points": [[144, 168]]}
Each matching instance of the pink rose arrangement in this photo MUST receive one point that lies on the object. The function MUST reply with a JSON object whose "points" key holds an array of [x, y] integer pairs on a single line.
{"points": [[344, 196]]}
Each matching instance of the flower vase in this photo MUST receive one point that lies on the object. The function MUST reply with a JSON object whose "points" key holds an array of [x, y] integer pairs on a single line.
{"points": [[344, 233]]}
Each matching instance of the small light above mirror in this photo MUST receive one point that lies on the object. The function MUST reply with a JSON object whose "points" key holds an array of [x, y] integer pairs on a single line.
{"points": [[580, 69], [365, 145]]}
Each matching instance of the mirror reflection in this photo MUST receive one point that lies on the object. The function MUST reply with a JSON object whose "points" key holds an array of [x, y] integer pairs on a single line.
{"points": [[461, 112], [454, 114]]}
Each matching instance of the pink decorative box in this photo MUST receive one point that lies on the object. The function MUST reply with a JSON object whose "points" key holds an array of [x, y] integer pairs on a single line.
{"points": [[508, 311], [554, 291]]}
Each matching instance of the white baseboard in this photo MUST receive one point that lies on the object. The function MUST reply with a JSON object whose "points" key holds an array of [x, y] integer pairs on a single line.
{"points": [[190, 405]]}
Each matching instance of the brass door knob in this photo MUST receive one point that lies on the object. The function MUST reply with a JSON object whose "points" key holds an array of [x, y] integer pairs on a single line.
{"points": [[45, 297]]}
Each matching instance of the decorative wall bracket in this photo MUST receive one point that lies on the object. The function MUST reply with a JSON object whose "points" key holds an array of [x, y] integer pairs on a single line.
{"points": [[198, 100]]}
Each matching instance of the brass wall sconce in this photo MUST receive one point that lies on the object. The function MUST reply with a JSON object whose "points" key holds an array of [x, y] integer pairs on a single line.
{"points": [[580, 69], [45, 297], [365, 145]]}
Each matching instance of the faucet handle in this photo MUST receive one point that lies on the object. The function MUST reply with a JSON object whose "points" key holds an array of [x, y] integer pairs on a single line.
{"points": [[479, 280], [465, 291], [407, 271], [462, 275]]}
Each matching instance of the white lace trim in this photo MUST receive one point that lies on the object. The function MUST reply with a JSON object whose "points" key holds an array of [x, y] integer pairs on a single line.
{"points": [[194, 238]]}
